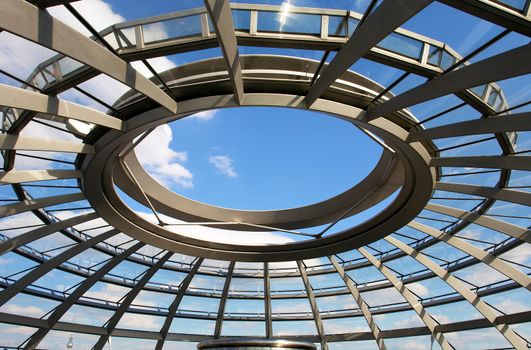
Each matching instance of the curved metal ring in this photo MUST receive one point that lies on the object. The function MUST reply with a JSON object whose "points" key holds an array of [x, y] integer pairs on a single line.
{"points": [[384, 180], [99, 187]]}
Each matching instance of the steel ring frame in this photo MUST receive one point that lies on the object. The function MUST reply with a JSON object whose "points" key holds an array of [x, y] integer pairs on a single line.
{"points": [[99, 185], [384, 180]]}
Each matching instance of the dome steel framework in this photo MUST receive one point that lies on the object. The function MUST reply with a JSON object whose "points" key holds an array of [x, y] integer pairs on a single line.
{"points": [[421, 239]]}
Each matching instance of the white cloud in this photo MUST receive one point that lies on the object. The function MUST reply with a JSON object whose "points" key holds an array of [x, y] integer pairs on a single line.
{"points": [[219, 235], [205, 115], [163, 163], [510, 306], [30, 310], [408, 322], [418, 289], [224, 165], [159, 64], [520, 254], [109, 292], [19, 220], [19, 56], [97, 12]]}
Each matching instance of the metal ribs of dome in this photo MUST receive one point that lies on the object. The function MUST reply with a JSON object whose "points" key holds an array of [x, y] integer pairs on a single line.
{"points": [[14, 18]]}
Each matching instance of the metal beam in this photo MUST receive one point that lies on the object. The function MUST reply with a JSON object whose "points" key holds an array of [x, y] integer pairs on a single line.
{"points": [[395, 333], [37, 102], [51, 264], [313, 305], [495, 224], [33, 235], [221, 15], [388, 16], [124, 305], [486, 257], [496, 68], [50, 3], [19, 176], [494, 12], [66, 304], [494, 162], [28, 21], [223, 301], [23, 143], [176, 302], [497, 124], [267, 302], [410, 298], [519, 197], [375, 330], [32, 204], [488, 312]]}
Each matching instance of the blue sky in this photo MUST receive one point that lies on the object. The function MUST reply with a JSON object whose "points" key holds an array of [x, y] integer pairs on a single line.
{"points": [[271, 158]]}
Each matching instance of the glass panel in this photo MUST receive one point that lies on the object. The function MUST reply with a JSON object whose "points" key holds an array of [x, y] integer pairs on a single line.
{"points": [[345, 325], [58, 340], [485, 338], [517, 4], [285, 22], [243, 328], [341, 26], [434, 55], [174, 28], [242, 19], [281, 328], [398, 320], [403, 45], [191, 326]]}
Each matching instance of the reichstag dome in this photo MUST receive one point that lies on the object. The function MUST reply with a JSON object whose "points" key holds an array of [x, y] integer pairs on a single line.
{"points": [[265, 174]]}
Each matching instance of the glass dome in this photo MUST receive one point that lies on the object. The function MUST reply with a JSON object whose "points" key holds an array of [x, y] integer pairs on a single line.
{"points": [[103, 245]]}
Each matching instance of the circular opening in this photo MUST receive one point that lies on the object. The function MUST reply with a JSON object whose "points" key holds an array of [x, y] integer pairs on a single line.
{"points": [[258, 158]]}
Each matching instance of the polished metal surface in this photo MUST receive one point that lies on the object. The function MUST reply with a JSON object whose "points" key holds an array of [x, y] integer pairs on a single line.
{"points": [[255, 344]]}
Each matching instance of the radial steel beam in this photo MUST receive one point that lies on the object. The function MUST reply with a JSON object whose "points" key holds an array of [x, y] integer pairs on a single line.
{"points": [[223, 301], [497, 124], [41, 232], [495, 224], [37, 102], [22, 143], [494, 12], [519, 197], [488, 312], [388, 16], [410, 298], [375, 330], [32, 204], [176, 302], [51, 264], [221, 15], [28, 21], [494, 162], [313, 305], [486, 257], [50, 3], [499, 67], [19, 176], [124, 305], [267, 302], [66, 304]]}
